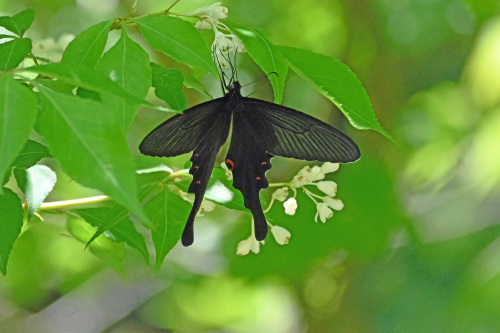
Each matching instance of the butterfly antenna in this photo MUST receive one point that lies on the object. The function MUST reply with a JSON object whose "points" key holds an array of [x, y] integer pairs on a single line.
{"points": [[235, 71]]}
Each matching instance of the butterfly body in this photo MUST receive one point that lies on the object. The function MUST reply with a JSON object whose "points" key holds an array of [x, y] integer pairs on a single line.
{"points": [[260, 130]]}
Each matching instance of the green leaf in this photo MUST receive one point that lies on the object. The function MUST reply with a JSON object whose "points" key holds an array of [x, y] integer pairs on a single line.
{"points": [[169, 214], [11, 221], [87, 47], [87, 78], [128, 65], [31, 154], [90, 146], [13, 52], [338, 83], [56, 85], [123, 231], [104, 248], [193, 83], [40, 180], [17, 116], [168, 83], [178, 39], [18, 23], [267, 55]]}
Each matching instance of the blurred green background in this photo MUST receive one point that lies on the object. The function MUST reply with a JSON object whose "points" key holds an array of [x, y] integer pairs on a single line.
{"points": [[416, 248]]}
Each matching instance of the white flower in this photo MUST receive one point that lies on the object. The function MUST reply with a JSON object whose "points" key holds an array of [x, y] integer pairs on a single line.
{"points": [[222, 42], [216, 11], [336, 204], [206, 206], [280, 194], [247, 245], [203, 25], [328, 187], [290, 206], [325, 208], [281, 235], [238, 44], [316, 174], [228, 173], [329, 167], [301, 178]]}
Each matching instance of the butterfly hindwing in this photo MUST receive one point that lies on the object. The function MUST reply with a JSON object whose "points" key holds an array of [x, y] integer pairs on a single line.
{"points": [[249, 160], [291, 133]]}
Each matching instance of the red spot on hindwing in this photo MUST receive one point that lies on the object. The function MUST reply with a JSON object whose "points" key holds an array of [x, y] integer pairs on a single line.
{"points": [[198, 182], [258, 178], [263, 163], [229, 164]]}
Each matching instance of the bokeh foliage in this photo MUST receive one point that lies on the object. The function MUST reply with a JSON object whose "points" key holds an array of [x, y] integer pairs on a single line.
{"points": [[416, 248]]}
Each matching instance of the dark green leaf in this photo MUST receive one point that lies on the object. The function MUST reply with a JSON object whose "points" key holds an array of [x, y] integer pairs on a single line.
{"points": [[123, 231], [40, 180], [338, 83], [90, 146], [11, 221], [178, 39], [13, 52], [56, 85], [266, 55], [18, 23], [104, 248], [87, 78], [169, 214], [168, 83], [87, 47], [127, 64], [31, 154], [17, 116]]}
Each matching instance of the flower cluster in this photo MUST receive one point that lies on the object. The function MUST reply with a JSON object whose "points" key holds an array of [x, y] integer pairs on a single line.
{"points": [[224, 42], [206, 205], [307, 177]]}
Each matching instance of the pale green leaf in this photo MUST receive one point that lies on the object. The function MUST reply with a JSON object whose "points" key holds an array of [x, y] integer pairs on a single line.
{"points": [[338, 83], [18, 23], [17, 116], [104, 248], [168, 213], [178, 39], [13, 52], [267, 55], [168, 83], [90, 146], [40, 180], [127, 64], [87, 47], [123, 231]]}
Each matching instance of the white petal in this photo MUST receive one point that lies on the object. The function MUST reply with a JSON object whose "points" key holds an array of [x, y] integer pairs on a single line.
{"points": [[328, 187], [336, 204], [290, 206], [203, 25], [316, 174], [324, 212], [243, 247], [281, 235], [255, 245], [329, 167]]}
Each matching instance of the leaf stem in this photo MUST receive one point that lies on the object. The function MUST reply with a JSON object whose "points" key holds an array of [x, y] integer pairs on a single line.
{"points": [[74, 202]]}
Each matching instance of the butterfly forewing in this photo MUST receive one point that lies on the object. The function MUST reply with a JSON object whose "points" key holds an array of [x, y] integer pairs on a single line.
{"points": [[183, 132], [291, 133]]}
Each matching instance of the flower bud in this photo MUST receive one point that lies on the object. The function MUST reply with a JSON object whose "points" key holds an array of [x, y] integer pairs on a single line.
{"points": [[245, 246], [329, 167], [280, 194], [328, 187], [203, 25], [281, 235]]}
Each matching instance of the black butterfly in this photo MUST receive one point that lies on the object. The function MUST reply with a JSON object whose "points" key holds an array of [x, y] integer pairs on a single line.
{"points": [[260, 130]]}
